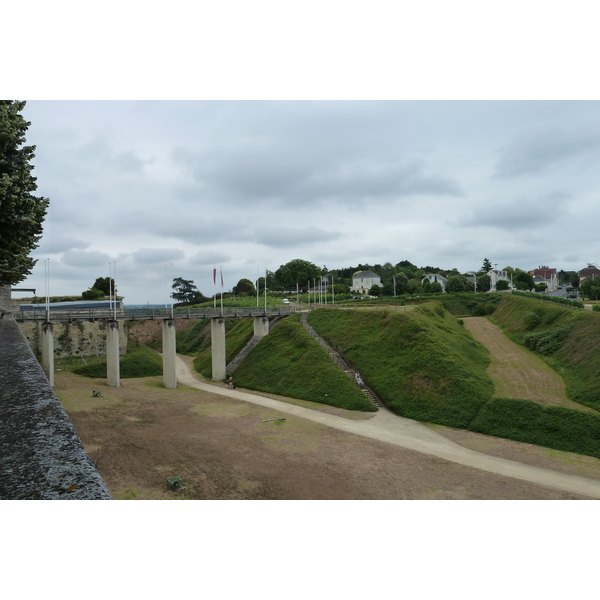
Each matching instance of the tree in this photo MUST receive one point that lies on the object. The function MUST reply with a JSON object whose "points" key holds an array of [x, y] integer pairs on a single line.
{"points": [[106, 285], [483, 283], [502, 285], [487, 265], [375, 290], [590, 288], [21, 213], [458, 283], [244, 287], [524, 281], [185, 290], [296, 271]]}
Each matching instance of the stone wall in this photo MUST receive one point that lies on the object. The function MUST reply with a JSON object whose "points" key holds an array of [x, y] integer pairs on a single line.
{"points": [[41, 455], [73, 339], [4, 297]]}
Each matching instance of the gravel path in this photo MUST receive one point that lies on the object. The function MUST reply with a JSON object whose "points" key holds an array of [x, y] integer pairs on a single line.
{"points": [[389, 428]]}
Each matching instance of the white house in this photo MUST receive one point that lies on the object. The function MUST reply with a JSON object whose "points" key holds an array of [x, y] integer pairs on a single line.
{"points": [[363, 281], [497, 275], [435, 278]]}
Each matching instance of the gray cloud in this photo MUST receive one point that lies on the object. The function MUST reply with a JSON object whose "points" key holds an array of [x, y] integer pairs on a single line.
{"points": [[521, 214], [157, 255], [88, 258], [537, 152], [287, 237]]}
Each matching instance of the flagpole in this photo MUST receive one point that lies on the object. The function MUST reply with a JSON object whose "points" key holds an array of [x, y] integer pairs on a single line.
{"points": [[215, 284], [266, 290], [221, 270], [257, 286]]}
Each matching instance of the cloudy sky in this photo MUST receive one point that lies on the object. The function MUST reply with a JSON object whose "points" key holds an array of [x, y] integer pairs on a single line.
{"points": [[177, 188]]}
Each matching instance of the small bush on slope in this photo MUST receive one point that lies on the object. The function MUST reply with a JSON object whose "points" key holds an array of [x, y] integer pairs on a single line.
{"points": [[423, 364], [290, 363]]}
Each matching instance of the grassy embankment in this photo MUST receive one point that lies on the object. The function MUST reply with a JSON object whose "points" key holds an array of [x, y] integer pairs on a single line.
{"points": [[140, 361], [423, 364], [425, 370], [287, 362]]}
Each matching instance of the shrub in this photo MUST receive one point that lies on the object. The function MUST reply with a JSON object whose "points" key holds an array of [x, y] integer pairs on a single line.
{"points": [[546, 342]]}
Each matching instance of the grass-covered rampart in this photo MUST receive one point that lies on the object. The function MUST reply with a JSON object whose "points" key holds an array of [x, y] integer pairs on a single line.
{"points": [[567, 338], [290, 363], [426, 367], [423, 364], [238, 333]]}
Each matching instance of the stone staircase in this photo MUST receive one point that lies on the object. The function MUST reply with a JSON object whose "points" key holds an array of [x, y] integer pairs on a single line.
{"points": [[340, 362]]}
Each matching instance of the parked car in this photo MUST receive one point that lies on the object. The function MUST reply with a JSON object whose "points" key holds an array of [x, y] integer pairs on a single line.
{"points": [[285, 301]]}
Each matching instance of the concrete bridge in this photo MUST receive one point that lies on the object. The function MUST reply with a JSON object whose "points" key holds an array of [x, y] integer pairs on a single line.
{"points": [[167, 316]]}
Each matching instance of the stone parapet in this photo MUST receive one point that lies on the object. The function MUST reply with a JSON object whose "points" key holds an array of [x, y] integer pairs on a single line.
{"points": [[41, 455]]}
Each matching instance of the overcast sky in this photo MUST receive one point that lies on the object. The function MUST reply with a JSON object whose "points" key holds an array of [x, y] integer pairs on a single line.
{"points": [[250, 185]]}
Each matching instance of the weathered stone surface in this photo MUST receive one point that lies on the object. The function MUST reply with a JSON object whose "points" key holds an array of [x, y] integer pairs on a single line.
{"points": [[72, 339], [41, 455]]}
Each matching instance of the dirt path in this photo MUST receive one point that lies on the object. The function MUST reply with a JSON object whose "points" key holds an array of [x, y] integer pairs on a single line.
{"points": [[386, 427], [518, 373]]}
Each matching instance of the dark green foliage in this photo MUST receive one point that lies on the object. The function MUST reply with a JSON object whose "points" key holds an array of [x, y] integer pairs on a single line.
{"points": [[184, 290], [469, 304], [596, 308], [555, 299], [546, 342], [532, 319], [140, 361], [194, 339], [550, 426], [92, 294], [21, 213], [423, 364], [289, 362]]}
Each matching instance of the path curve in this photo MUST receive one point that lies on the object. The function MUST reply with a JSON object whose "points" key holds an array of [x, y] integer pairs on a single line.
{"points": [[387, 427]]}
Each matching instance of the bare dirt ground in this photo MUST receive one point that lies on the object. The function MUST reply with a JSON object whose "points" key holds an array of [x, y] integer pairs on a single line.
{"points": [[141, 434]]}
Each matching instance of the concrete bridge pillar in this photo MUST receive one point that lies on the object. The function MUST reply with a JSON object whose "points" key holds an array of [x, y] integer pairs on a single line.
{"points": [[217, 337], [112, 354], [48, 351], [169, 342], [261, 326]]}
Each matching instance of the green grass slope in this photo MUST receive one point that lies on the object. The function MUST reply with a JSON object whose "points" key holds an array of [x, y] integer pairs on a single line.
{"points": [[238, 333], [567, 338], [290, 363], [423, 364], [140, 361]]}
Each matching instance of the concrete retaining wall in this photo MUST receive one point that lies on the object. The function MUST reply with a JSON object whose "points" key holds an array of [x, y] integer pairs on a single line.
{"points": [[41, 455], [72, 339]]}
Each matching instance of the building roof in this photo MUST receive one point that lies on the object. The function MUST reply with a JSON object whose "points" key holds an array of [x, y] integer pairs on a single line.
{"points": [[365, 274]]}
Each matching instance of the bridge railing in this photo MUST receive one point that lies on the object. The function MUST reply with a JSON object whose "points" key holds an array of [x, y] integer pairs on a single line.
{"points": [[132, 314]]}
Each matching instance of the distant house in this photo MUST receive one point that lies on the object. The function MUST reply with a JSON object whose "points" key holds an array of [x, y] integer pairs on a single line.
{"points": [[590, 272], [363, 281], [545, 272], [497, 275], [435, 278]]}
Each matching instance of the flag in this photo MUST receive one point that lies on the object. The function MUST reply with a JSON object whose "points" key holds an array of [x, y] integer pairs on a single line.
{"points": [[215, 276], [222, 284]]}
